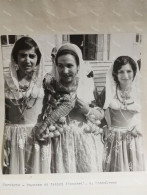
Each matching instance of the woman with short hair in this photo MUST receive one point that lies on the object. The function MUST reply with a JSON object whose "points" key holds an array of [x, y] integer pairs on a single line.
{"points": [[23, 107], [121, 102]]}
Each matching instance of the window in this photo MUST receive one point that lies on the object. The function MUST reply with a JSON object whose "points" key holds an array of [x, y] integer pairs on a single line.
{"points": [[8, 40], [93, 47], [138, 38]]}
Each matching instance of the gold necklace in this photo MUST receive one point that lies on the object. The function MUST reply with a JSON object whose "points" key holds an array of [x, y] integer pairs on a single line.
{"points": [[125, 97], [24, 102]]}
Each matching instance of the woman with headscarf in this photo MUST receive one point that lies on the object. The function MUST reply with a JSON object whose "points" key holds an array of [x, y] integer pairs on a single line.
{"points": [[121, 102], [71, 121], [23, 106]]}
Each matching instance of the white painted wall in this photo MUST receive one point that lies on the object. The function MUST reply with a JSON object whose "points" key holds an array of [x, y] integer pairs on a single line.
{"points": [[124, 44], [120, 44]]}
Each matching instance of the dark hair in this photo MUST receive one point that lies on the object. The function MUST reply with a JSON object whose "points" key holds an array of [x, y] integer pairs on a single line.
{"points": [[121, 61], [65, 52], [25, 43]]}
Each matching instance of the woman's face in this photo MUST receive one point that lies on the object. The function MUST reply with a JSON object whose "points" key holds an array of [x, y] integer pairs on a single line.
{"points": [[67, 68], [27, 60], [125, 75]]}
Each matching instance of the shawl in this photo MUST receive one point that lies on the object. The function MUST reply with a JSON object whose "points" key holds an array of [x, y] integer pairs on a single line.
{"points": [[111, 89], [86, 85], [12, 85]]}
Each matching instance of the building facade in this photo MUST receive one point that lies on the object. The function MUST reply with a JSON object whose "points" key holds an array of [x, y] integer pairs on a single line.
{"points": [[99, 50]]}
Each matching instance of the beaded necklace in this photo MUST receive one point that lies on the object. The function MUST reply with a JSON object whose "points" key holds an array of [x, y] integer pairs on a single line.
{"points": [[124, 98], [25, 102]]}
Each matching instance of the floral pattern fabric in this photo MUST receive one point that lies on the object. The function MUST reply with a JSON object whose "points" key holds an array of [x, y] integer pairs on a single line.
{"points": [[22, 153]]}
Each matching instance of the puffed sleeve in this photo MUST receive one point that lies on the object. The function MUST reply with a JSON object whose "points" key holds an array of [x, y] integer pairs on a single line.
{"points": [[96, 109], [97, 112]]}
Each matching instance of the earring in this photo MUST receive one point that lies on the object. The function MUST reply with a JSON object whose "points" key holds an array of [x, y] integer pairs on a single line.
{"points": [[16, 67]]}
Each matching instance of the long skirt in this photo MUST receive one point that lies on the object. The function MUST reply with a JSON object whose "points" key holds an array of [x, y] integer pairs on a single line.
{"points": [[71, 152], [22, 153], [123, 151], [76, 151]]}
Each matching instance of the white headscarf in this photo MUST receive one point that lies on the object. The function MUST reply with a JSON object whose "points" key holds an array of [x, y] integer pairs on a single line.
{"points": [[86, 85], [12, 84], [111, 88]]}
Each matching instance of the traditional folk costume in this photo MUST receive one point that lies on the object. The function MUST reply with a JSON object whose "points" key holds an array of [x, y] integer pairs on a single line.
{"points": [[75, 137], [123, 137], [23, 108]]}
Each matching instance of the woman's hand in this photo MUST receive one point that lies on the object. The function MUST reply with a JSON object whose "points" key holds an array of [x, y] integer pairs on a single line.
{"points": [[82, 106], [40, 136]]}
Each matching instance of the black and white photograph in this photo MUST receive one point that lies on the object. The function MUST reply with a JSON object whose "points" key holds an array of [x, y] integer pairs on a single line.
{"points": [[72, 103]]}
